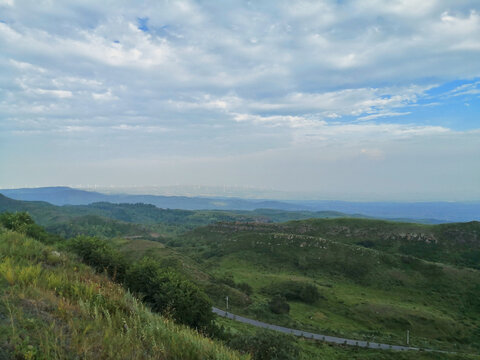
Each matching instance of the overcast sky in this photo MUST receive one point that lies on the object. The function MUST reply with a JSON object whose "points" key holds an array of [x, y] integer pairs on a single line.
{"points": [[336, 99]]}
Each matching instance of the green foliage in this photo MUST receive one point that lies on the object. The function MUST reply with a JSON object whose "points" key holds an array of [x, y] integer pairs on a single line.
{"points": [[366, 294], [278, 305], [66, 311], [93, 225], [267, 346], [100, 255], [23, 223], [294, 290], [228, 280], [164, 290], [171, 295], [245, 287]]}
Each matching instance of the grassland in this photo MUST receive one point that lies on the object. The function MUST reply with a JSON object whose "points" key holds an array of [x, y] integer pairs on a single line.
{"points": [[375, 279], [437, 303], [53, 307], [366, 293]]}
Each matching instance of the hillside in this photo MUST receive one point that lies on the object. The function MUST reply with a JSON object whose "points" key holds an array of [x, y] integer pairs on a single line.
{"points": [[363, 293], [454, 243], [52, 306], [163, 221], [311, 275]]}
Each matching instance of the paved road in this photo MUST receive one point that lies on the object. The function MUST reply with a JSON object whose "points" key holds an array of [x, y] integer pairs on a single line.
{"points": [[309, 335]]}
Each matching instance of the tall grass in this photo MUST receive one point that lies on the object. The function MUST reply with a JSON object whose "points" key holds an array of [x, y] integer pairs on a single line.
{"points": [[53, 307]]}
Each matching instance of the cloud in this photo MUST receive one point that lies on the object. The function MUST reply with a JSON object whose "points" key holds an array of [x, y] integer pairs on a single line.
{"points": [[234, 78]]}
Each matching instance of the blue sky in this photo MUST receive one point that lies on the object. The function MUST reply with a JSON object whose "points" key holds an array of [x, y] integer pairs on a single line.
{"points": [[352, 100]]}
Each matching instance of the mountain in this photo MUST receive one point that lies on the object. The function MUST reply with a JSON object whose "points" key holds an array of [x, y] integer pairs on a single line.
{"points": [[426, 212], [109, 220], [433, 212], [69, 196]]}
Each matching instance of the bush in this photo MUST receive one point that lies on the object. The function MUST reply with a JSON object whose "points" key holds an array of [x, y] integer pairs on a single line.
{"points": [[169, 294], [23, 223], [266, 346], [246, 288], [100, 255], [279, 305], [294, 290]]}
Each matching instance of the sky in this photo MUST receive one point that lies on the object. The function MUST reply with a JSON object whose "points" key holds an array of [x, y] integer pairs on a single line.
{"points": [[348, 100]]}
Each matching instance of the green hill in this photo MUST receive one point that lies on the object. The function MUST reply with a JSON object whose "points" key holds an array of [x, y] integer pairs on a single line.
{"points": [[454, 243], [70, 220], [363, 293], [53, 307]]}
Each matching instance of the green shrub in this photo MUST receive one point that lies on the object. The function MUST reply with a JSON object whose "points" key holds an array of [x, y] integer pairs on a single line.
{"points": [[100, 255], [294, 290], [266, 346], [23, 223], [279, 305], [166, 292], [246, 288]]}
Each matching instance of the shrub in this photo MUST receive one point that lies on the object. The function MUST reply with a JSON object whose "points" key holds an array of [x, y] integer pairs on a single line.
{"points": [[100, 255], [23, 223], [294, 290], [166, 292], [246, 288], [279, 305], [266, 346]]}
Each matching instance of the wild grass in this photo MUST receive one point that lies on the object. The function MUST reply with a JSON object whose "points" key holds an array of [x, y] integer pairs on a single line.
{"points": [[53, 307], [364, 293]]}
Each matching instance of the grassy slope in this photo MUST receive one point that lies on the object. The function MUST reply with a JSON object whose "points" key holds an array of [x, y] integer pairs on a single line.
{"points": [[52, 307], [339, 298], [366, 293], [455, 243]]}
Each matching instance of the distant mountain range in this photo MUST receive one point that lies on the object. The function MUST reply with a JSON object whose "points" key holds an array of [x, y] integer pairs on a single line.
{"points": [[433, 212]]}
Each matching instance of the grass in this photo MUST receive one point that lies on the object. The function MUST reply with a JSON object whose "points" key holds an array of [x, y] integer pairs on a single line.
{"points": [[366, 293], [325, 351], [53, 307], [396, 294]]}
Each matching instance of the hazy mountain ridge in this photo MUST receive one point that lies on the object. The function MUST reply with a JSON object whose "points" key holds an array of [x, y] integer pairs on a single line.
{"points": [[428, 212]]}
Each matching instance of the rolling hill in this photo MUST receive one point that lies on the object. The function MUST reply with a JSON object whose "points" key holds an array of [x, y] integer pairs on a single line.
{"points": [[426, 212], [370, 293]]}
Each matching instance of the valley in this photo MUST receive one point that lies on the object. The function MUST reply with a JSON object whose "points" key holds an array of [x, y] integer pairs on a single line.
{"points": [[363, 279]]}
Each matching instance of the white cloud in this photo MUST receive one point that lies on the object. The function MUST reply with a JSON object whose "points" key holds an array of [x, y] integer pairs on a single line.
{"points": [[236, 78], [106, 96]]}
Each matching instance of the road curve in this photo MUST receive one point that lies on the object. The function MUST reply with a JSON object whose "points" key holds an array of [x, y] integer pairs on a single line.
{"points": [[309, 335]]}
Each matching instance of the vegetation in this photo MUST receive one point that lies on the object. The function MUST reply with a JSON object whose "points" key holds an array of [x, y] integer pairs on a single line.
{"points": [[93, 225], [363, 293], [23, 223], [109, 220], [356, 278], [294, 290], [164, 290], [265, 345], [53, 307], [278, 305]]}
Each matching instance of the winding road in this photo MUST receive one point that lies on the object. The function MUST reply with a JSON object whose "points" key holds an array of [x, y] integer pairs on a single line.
{"points": [[309, 335]]}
